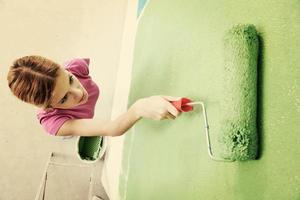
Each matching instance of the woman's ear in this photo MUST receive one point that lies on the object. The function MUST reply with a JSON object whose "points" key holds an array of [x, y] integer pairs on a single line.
{"points": [[48, 108]]}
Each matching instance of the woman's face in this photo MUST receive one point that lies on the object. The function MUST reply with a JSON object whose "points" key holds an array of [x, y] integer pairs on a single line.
{"points": [[68, 91]]}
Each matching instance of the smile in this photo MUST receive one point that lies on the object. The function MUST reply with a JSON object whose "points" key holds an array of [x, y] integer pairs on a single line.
{"points": [[82, 98]]}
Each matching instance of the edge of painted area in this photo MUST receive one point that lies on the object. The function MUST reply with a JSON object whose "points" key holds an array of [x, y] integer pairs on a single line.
{"points": [[141, 7], [112, 167]]}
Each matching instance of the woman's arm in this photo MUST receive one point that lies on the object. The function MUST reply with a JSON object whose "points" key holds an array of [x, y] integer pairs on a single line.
{"points": [[94, 127], [154, 107]]}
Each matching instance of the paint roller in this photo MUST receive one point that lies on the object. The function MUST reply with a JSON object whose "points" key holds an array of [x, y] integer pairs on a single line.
{"points": [[238, 133]]}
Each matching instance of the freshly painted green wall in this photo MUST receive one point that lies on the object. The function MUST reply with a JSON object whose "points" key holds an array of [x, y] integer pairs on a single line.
{"points": [[179, 52]]}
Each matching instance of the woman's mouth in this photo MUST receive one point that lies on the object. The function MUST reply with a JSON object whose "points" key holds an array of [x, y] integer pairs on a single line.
{"points": [[82, 99]]}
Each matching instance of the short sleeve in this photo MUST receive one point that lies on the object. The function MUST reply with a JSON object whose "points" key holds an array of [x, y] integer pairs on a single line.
{"points": [[52, 123], [78, 66]]}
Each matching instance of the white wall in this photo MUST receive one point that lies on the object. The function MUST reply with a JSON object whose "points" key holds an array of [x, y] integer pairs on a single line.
{"points": [[59, 30]]}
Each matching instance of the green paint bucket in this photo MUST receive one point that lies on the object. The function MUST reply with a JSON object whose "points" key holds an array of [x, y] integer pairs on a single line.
{"points": [[91, 149]]}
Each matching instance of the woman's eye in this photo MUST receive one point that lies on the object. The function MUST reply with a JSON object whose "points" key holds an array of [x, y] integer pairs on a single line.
{"points": [[63, 100], [71, 79]]}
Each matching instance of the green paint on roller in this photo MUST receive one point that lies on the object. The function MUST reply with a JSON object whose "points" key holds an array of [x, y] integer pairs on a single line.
{"points": [[89, 147], [239, 103]]}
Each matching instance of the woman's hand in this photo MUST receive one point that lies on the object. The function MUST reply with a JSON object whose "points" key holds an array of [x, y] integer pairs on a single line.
{"points": [[156, 107]]}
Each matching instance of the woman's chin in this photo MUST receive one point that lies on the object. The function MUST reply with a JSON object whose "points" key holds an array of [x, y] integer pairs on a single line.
{"points": [[83, 101]]}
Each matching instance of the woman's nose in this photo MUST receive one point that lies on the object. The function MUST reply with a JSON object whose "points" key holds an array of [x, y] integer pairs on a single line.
{"points": [[77, 93]]}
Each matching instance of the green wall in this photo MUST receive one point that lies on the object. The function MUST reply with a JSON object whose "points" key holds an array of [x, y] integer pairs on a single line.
{"points": [[141, 5], [179, 52]]}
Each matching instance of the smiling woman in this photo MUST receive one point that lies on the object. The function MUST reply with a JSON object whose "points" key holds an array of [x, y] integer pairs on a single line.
{"points": [[74, 96], [68, 91], [61, 93], [66, 96]]}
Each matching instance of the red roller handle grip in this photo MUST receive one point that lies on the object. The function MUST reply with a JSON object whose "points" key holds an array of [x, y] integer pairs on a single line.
{"points": [[181, 106]]}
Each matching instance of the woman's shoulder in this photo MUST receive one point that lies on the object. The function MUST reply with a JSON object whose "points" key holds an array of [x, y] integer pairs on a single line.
{"points": [[52, 120], [46, 114]]}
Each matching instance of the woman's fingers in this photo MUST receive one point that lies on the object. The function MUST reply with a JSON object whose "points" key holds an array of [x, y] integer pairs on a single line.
{"points": [[172, 110], [169, 116], [170, 98]]}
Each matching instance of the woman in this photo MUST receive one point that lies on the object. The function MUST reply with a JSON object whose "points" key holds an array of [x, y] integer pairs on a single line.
{"points": [[66, 96]]}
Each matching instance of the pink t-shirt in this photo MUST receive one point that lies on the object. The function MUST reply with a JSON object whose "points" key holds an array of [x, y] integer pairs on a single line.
{"points": [[54, 119]]}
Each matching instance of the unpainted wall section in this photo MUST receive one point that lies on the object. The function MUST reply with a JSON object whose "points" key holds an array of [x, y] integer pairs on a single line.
{"points": [[59, 30]]}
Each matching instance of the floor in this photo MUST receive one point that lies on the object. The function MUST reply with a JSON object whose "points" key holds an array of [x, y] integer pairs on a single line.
{"points": [[82, 179]]}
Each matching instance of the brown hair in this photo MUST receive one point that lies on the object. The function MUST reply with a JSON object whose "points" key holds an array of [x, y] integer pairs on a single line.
{"points": [[32, 79]]}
